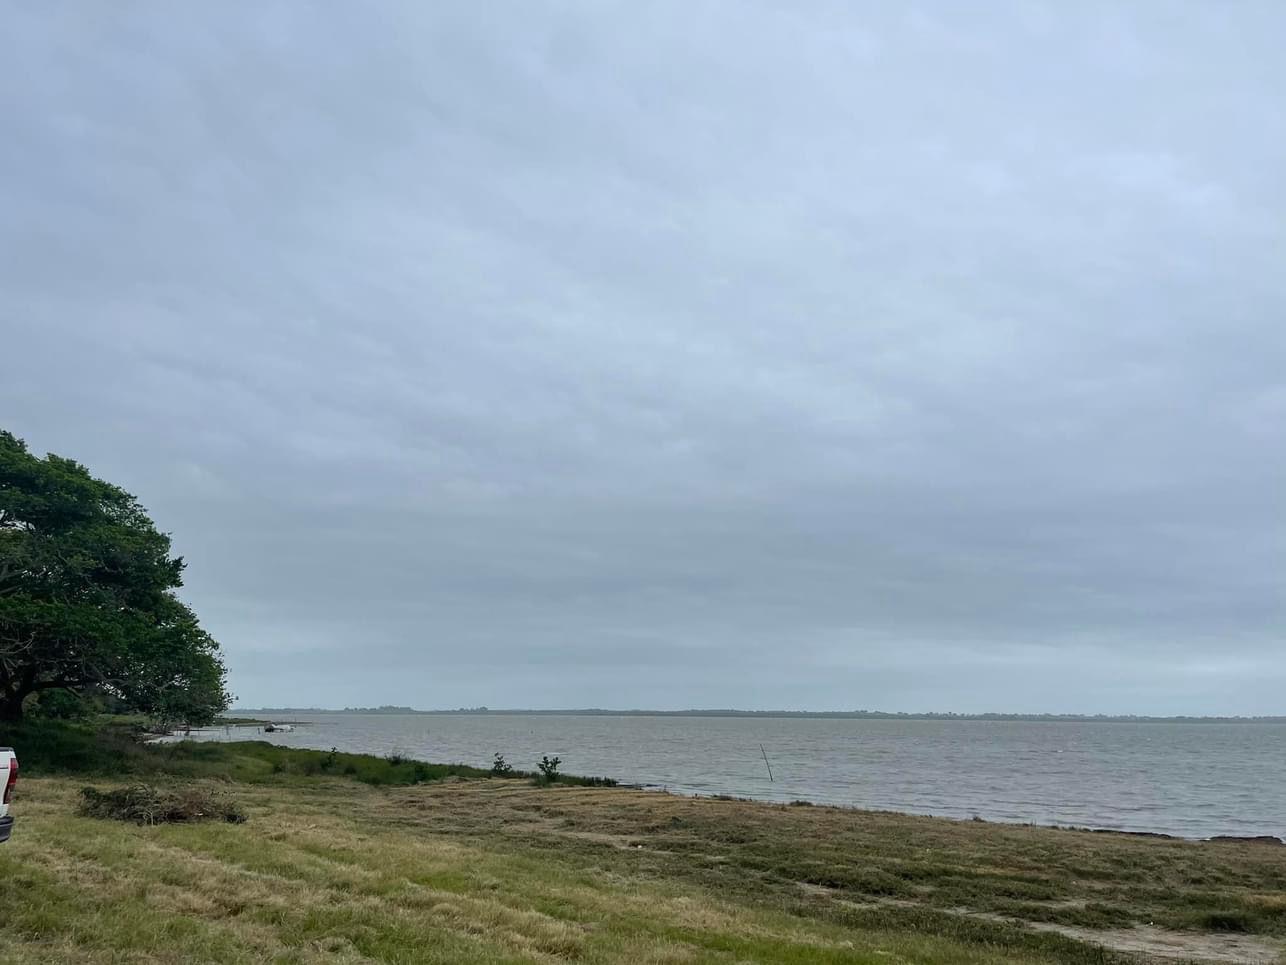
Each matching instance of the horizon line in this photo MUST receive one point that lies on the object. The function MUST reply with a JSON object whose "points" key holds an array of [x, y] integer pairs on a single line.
{"points": [[735, 712]]}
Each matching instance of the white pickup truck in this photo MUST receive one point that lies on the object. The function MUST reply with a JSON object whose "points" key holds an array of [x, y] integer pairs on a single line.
{"points": [[8, 778]]}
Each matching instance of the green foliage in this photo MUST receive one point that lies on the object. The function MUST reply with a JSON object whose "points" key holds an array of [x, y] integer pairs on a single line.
{"points": [[87, 600], [113, 749], [500, 767], [62, 705], [548, 768], [63, 747]]}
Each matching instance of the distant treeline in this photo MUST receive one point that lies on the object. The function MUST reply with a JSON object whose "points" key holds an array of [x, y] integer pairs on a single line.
{"points": [[816, 714]]}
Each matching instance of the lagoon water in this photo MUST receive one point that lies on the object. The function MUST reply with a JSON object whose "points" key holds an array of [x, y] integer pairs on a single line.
{"points": [[1189, 779]]}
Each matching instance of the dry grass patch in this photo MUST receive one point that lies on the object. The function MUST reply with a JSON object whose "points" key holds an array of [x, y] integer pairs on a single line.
{"points": [[147, 804]]}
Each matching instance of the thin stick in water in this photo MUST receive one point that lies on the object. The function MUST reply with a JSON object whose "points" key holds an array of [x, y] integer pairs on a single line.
{"points": [[766, 764]]}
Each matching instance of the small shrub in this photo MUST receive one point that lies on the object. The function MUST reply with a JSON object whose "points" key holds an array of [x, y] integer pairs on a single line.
{"points": [[145, 804], [548, 768], [397, 756], [500, 767]]}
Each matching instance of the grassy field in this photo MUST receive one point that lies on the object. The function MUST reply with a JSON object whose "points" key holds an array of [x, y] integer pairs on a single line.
{"points": [[115, 749], [463, 868]]}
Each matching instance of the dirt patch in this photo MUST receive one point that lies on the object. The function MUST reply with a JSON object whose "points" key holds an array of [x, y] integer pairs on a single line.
{"points": [[1145, 941], [1160, 943]]}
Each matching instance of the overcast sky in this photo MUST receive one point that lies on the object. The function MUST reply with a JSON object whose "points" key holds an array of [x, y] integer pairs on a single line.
{"points": [[827, 356]]}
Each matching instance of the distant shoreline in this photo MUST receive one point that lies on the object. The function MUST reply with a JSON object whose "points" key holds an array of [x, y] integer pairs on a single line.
{"points": [[768, 714]]}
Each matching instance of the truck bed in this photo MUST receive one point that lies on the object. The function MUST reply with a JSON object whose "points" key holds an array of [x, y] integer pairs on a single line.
{"points": [[8, 762]]}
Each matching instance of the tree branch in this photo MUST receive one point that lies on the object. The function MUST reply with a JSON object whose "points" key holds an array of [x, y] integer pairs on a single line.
{"points": [[53, 685]]}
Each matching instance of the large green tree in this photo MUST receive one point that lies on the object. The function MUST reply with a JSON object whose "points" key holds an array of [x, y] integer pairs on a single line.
{"points": [[87, 597]]}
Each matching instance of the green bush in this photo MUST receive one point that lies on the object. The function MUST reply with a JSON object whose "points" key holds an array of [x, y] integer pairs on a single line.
{"points": [[548, 768], [65, 747], [112, 748], [61, 705]]}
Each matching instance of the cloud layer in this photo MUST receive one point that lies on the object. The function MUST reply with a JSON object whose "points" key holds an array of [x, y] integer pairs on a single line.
{"points": [[682, 355]]}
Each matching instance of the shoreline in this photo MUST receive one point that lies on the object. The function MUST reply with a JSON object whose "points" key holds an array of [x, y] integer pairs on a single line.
{"points": [[1270, 840], [1265, 837]]}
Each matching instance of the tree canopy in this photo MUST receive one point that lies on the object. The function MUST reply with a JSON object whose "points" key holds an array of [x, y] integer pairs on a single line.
{"points": [[87, 597]]}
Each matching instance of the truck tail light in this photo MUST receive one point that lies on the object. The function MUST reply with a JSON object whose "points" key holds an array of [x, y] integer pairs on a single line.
{"points": [[13, 779]]}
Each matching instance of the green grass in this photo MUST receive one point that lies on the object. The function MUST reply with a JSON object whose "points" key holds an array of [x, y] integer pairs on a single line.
{"points": [[112, 748], [875, 868], [354, 858], [327, 874]]}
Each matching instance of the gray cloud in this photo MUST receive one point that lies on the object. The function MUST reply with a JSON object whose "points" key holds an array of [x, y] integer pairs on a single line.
{"points": [[909, 357]]}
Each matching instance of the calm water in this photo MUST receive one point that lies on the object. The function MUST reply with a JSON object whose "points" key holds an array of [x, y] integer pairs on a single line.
{"points": [[1194, 780]]}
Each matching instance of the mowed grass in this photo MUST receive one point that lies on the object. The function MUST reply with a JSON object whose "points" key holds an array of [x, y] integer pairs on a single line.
{"points": [[356, 858], [882, 861], [332, 873], [1028, 890]]}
